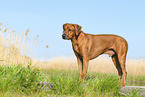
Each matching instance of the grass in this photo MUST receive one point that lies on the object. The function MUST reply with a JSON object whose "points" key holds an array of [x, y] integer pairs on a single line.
{"points": [[103, 65], [134, 93], [67, 83], [23, 81], [19, 80]]}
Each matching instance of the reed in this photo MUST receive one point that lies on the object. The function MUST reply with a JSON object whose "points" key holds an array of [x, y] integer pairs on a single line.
{"points": [[15, 47]]}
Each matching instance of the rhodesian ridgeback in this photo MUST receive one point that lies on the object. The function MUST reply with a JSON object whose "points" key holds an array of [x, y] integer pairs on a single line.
{"points": [[88, 46]]}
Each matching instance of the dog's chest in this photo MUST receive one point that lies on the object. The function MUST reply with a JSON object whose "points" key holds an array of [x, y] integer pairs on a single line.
{"points": [[76, 47]]}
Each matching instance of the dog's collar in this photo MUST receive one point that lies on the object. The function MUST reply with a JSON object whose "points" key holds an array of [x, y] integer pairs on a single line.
{"points": [[78, 35]]}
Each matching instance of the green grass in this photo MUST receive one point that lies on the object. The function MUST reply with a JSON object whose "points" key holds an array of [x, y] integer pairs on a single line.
{"points": [[21, 81], [134, 93]]}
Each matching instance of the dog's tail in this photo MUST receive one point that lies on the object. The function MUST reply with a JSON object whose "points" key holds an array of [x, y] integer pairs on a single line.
{"points": [[118, 66]]}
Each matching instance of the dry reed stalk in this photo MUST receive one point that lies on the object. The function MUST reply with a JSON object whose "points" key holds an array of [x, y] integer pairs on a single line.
{"points": [[13, 47]]}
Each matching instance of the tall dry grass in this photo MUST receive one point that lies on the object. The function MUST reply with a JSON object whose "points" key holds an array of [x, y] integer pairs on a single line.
{"points": [[102, 64], [15, 47]]}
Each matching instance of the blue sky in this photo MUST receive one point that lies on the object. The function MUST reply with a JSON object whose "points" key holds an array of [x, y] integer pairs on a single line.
{"points": [[46, 17]]}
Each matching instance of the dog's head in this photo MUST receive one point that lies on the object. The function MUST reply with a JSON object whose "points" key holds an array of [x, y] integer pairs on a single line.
{"points": [[70, 31]]}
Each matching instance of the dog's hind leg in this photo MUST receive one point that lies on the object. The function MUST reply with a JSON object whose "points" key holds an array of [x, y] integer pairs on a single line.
{"points": [[122, 59], [122, 52]]}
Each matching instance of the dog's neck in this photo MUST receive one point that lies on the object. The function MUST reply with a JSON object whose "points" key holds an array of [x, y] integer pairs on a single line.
{"points": [[78, 41]]}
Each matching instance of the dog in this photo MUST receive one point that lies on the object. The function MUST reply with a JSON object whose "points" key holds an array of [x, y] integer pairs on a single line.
{"points": [[87, 47]]}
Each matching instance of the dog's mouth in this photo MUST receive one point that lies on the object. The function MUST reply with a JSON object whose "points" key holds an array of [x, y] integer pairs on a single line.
{"points": [[65, 37]]}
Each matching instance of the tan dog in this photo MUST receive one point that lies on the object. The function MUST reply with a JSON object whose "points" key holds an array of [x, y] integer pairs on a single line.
{"points": [[88, 46]]}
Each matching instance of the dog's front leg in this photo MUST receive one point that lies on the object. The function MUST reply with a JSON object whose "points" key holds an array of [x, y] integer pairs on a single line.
{"points": [[80, 63], [85, 67]]}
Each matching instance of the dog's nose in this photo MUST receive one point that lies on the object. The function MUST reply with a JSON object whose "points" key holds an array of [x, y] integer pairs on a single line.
{"points": [[63, 36]]}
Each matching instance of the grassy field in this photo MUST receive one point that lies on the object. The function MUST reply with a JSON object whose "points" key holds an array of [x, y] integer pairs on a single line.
{"points": [[25, 81], [104, 65], [61, 72]]}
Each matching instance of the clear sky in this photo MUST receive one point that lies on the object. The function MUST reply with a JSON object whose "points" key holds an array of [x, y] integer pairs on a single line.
{"points": [[46, 17]]}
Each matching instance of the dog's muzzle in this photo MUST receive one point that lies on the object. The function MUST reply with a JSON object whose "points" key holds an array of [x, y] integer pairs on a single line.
{"points": [[64, 36]]}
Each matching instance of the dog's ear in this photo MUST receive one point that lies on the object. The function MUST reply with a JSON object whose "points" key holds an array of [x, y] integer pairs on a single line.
{"points": [[77, 28], [64, 25]]}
